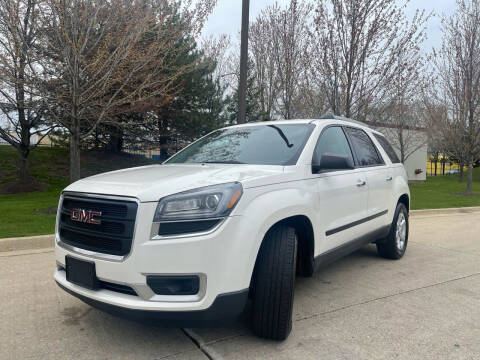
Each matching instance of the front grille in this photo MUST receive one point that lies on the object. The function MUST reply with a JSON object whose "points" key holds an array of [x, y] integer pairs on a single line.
{"points": [[112, 236]]}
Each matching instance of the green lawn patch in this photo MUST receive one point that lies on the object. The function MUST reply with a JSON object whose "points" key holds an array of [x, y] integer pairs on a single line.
{"points": [[28, 214], [25, 214], [440, 192]]}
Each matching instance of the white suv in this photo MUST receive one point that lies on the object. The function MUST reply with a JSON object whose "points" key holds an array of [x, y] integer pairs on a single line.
{"points": [[231, 220]]}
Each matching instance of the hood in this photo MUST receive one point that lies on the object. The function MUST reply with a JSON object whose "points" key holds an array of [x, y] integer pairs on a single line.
{"points": [[150, 183]]}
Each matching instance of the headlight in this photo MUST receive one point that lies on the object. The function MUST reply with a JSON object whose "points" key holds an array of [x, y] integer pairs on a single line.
{"points": [[203, 203]]}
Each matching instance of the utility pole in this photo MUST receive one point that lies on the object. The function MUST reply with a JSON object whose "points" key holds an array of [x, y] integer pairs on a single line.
{"points": [[242, 86]]}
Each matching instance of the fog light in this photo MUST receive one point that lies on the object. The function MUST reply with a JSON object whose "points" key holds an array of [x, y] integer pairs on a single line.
{"points": [[174, 285]]}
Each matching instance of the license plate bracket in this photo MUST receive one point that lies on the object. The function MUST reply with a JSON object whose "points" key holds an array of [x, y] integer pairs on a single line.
{"points": [[81, 273]]}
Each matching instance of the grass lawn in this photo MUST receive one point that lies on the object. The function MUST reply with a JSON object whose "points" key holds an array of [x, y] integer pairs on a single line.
{"points": [[25, 214], [33, 213], [442, 192]]}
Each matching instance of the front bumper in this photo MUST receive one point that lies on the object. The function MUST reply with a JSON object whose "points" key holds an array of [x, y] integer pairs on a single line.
{"points": [[225, 307], [222, 259]]}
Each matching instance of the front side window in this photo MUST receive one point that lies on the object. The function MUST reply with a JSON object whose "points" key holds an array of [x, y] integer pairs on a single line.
{"points": [[262, 145], [367, 154], [333, 140], [388, 149]]}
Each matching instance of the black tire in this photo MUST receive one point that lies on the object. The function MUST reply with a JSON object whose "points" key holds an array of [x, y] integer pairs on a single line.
{"points": [[273, 284], [389, 247]]}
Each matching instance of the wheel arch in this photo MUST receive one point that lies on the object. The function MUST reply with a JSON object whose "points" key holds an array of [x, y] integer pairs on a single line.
{"points": [[405, 200], [306, 242]]}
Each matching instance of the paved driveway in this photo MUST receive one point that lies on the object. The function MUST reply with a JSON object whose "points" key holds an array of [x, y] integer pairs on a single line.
{"points": [[426, 306]]}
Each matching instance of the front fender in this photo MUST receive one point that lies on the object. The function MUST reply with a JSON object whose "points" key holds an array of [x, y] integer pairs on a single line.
{"points": [[266, 206]]}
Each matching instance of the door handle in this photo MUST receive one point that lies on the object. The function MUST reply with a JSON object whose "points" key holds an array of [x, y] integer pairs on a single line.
{"points": [[389, 178], [361, 183]]}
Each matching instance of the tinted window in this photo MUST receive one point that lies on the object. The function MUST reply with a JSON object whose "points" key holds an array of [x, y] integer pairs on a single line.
{"points": [[388, 149], [365, 150], [262, 144], [333, 140]]}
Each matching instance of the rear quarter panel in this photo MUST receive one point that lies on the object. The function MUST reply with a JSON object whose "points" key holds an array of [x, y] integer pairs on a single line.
{"points": [[400, 186]]}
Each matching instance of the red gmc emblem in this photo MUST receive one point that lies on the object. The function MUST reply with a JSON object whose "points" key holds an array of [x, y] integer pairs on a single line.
{"points": [[86, 216]]}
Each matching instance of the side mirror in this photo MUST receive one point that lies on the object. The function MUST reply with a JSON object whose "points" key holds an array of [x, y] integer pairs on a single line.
{"points": [[331, 161]]}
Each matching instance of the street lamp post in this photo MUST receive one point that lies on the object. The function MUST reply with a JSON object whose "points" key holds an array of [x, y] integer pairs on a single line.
{"points": [[242, 86]]}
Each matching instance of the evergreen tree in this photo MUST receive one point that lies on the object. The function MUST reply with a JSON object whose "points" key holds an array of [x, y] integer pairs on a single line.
{"points": [[195, 108]]}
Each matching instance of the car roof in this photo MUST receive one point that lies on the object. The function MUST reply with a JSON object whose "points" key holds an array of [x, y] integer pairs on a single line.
{"points": [[330, 118], [275, 122]]}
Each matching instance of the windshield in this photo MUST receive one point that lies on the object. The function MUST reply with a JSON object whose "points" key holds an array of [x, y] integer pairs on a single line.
{"points": [[262, 145]]}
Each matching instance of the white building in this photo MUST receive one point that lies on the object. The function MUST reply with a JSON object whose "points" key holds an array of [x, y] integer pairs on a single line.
{"points": [[415, 142]]}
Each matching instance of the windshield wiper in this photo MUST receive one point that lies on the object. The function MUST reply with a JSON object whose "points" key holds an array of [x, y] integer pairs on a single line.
{"points": [[282, 134]]}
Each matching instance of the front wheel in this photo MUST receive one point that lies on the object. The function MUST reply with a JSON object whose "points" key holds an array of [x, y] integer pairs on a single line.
{"points": [[273, 284], [395, 244]]}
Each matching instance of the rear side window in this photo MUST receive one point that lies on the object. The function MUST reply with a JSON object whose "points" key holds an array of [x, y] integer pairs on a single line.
{"points": [[388, 149], [367, 154], [333, 140]]}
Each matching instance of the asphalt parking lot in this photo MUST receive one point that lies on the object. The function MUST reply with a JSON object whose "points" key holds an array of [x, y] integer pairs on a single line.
{"points": [[426, 306]]}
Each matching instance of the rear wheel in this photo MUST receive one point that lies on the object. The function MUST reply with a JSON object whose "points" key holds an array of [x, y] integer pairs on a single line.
{"points": [[273, 284], [395, 244]]}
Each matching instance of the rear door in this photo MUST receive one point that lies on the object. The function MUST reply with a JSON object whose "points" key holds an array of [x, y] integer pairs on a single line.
{"points": [[342, 194], [378, 178], [393, 168]]}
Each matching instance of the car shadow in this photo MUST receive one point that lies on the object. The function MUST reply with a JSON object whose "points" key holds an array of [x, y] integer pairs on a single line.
{"points": [[212, 332]]}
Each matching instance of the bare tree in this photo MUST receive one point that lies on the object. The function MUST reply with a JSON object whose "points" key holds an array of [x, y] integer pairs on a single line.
{"points": [[264, 64], [455, 145], [216, 51], [445, 136], [310, 102], [355, 50], [278, 46], [435, 119], [289, 45], [21, 108], [107, 55], [457, 64], [194, 13], [402, 109]]}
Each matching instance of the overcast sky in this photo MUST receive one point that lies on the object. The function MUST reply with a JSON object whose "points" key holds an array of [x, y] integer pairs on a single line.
{"points": [[226, 17]]}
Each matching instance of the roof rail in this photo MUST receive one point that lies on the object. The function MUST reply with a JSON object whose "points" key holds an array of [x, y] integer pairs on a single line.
{"points": [[330, 116]]}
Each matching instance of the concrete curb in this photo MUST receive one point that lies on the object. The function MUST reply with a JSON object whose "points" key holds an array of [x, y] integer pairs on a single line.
{"points": [[26, 243], [47, 241], [448, 211]]}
